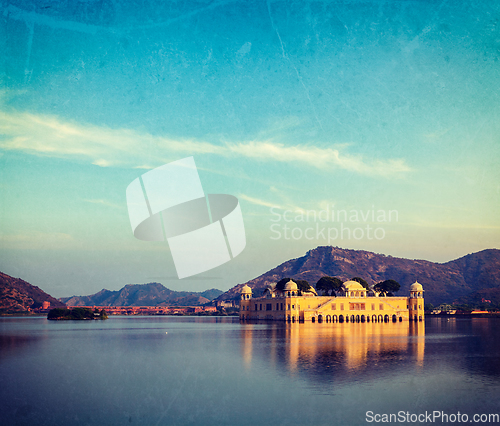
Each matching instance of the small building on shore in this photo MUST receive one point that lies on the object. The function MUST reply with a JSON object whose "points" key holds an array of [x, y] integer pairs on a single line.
{"points": [[353, 304]]}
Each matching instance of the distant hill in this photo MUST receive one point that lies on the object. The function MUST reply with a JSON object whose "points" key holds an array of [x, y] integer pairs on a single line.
{"points": [[152, 294], [487, 295], [18, 296], [443, 282]]}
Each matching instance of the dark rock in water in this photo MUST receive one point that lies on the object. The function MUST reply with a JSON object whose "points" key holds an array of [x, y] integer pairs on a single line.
{"points": [[77, 314]]}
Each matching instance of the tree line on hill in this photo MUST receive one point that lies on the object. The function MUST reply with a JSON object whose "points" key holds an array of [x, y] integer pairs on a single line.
{"points": [[330, 286], [473, 277]]}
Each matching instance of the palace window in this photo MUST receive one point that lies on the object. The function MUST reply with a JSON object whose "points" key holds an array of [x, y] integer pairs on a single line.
{"points": [[260, 307], [357, 306], [341, 306], [269, 307], [373, 306], [381, 307], [334, 306]]}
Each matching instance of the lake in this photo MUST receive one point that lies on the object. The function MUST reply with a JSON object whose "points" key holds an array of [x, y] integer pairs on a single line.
{"points": [[162, 370]]}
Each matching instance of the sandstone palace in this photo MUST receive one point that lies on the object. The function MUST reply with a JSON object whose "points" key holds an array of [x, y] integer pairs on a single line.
{"points": [[353, 304]]}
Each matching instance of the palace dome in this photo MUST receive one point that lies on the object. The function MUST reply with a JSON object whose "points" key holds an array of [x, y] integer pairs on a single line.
{"points": [[353, 286], [246, 290], [291, 286], [416, 286]]}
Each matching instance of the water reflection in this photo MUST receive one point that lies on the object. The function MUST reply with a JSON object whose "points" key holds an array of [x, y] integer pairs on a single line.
{"points": [[128, 370], [11, 344], [338, 348]]}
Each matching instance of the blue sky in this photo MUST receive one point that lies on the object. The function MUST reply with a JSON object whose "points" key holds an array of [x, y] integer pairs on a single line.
{"points": [[308, 105]]}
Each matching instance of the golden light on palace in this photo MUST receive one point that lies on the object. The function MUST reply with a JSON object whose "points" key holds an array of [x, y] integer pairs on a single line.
{"points": [[354, 304]]}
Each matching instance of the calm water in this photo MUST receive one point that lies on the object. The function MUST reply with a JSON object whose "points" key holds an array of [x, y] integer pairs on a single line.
{"points": [[216, 371]]}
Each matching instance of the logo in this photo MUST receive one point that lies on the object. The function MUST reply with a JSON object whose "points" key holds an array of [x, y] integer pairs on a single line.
{"points": [[202, 231]]}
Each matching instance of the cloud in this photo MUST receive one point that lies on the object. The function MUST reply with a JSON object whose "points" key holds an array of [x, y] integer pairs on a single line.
{"points": [[13, 12], [50, 136], [105, 147], [258, 201], [436, 135], [322, 158], [30, 17], [36, 240], [104, 203], [453, 225]]}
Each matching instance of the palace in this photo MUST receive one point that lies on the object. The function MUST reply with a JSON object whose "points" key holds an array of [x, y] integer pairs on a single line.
{"points": [[354, 303]]}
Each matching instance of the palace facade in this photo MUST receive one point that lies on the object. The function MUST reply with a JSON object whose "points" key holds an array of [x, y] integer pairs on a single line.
{"points": [[353, 304]]}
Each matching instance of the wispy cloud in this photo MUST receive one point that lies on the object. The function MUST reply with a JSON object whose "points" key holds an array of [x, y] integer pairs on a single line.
{"points": [[453, 225], [104, 203], [264, 203], [36, 240], [258, 202], [437, 134], [106, 147], [31, 17], [322, 158], [13, 12]]}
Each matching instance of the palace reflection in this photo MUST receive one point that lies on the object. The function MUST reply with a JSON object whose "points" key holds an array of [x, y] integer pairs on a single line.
{"points": [[347, 347]]}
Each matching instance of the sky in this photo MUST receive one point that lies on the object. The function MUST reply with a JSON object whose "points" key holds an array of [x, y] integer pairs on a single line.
{"points": [[369, 125]]}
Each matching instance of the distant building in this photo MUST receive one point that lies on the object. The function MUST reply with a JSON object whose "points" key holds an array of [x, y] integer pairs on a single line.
{"points": [[353, 304], [226, 304], [150, 310], [45, 305]]}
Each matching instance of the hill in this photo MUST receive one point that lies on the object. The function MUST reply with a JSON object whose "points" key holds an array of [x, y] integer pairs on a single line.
{"points": [[152, 294], [443, 282], [489, 297], [18, 296]]}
